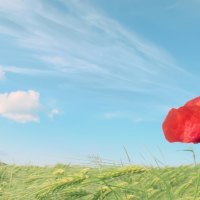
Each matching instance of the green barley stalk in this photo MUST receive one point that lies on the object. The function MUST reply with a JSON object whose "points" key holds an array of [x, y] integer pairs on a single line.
{"points": [[59, 185], [73, 193], [102, 193], [122, 171]]}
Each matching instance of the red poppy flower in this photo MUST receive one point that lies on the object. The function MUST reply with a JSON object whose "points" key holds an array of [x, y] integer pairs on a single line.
{"points": [[183, 124]]}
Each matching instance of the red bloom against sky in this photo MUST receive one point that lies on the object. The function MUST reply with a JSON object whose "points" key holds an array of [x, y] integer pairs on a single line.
{"points": [[183, 124]]}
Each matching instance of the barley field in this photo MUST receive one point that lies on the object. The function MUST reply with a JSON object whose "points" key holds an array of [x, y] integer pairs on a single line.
{"points": [[126, 182]]}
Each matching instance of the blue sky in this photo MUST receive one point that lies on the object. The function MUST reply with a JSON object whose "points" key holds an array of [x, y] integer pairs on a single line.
{"points": [[80, 79]]}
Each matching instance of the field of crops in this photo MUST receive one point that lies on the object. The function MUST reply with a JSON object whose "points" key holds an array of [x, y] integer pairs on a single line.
{"points": [[112, 182]]}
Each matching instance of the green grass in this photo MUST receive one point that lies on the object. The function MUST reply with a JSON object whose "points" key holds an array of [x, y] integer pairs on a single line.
{"points": [[105, 182]]}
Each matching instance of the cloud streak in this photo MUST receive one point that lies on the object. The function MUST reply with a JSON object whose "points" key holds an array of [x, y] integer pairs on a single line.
{"points": [[88, 46], [128, 116], [2, 74], [15, 5], [26, 71]]}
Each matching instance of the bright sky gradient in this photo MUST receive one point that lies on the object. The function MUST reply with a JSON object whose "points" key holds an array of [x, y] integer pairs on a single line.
{"points": [[84, 78]]}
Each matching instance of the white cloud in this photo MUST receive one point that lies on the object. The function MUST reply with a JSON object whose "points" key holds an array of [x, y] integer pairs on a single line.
{"points": [[54, 112], [20, 106], [2, 74]]}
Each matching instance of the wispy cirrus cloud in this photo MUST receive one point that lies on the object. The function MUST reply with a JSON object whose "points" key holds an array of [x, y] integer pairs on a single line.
{"points": [[15, 5], [75, 38], [128, 116], [111, 115], [26, 71]]}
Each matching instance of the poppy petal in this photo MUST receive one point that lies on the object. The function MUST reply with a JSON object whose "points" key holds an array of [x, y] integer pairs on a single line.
{"points": [[183, 124], [193, 102]]}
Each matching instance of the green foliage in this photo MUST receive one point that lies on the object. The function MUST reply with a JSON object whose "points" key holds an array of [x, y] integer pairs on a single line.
{"points": [[65, 182]]}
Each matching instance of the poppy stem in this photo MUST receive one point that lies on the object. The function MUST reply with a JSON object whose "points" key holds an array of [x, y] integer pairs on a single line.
{"points": [[193, 155]]}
